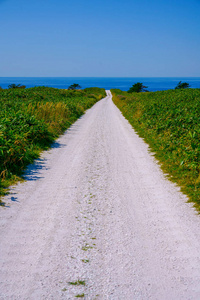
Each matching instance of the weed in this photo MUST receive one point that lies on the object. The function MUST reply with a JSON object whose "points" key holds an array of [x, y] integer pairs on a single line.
{"points": [[80, 295], [86, 247], [78, 282], [85, 260]]}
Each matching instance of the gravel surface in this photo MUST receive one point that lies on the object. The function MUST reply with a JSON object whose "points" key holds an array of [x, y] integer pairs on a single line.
{"points": [[97, 218]]}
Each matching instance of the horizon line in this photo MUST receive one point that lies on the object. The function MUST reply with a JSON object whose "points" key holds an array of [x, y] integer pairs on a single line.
{"points": [[99, 76]]}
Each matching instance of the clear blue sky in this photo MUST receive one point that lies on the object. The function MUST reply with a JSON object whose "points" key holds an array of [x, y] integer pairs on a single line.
{"points": [[113, 38]]}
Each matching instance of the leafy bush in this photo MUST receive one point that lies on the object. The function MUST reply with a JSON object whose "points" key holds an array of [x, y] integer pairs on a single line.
{"points": [[138, 88], [170, 122], [74, 86], [30, 119], [16, 86], [182, 85]]}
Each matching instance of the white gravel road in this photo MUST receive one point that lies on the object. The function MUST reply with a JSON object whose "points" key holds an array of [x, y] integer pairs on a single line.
{"points": [[97, 210]]}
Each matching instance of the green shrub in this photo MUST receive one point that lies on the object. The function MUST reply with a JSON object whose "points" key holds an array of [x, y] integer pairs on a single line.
{"points": [[138, 88], [182, 85]]}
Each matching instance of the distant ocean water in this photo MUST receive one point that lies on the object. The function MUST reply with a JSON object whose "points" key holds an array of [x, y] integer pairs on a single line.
{"points": [[123, 83]]}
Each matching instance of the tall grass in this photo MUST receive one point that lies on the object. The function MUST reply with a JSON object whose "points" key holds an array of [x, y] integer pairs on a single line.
{"points": [[169, 121], [30, 120]]}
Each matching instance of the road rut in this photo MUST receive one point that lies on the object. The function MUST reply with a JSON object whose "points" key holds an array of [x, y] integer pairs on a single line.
{"points": [[96, 218]]}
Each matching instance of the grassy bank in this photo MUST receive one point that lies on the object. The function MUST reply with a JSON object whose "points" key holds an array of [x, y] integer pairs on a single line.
{"points": [[169, 121], [31, 119]]}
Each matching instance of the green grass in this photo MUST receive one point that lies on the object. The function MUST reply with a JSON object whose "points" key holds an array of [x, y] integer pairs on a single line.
{"points": [[78, 282], [85, 260], [86, 247], [31, 119], [169, 121]]}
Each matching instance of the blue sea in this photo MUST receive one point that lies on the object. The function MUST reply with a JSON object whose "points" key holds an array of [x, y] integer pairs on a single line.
{"points": [[122, 83]]}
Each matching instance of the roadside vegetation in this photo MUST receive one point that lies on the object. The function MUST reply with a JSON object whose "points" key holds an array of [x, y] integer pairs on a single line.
{"points": [[74, 86], [182, 85], [31, 119], [169, 121], [138, 88]]}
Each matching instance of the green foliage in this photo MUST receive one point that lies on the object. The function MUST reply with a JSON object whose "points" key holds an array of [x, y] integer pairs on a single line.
{"points": [[30, 120], [74, 86], [94, 91], [78, 282], [182, 85], [137, 88], [169, 121], [18, 86]]}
